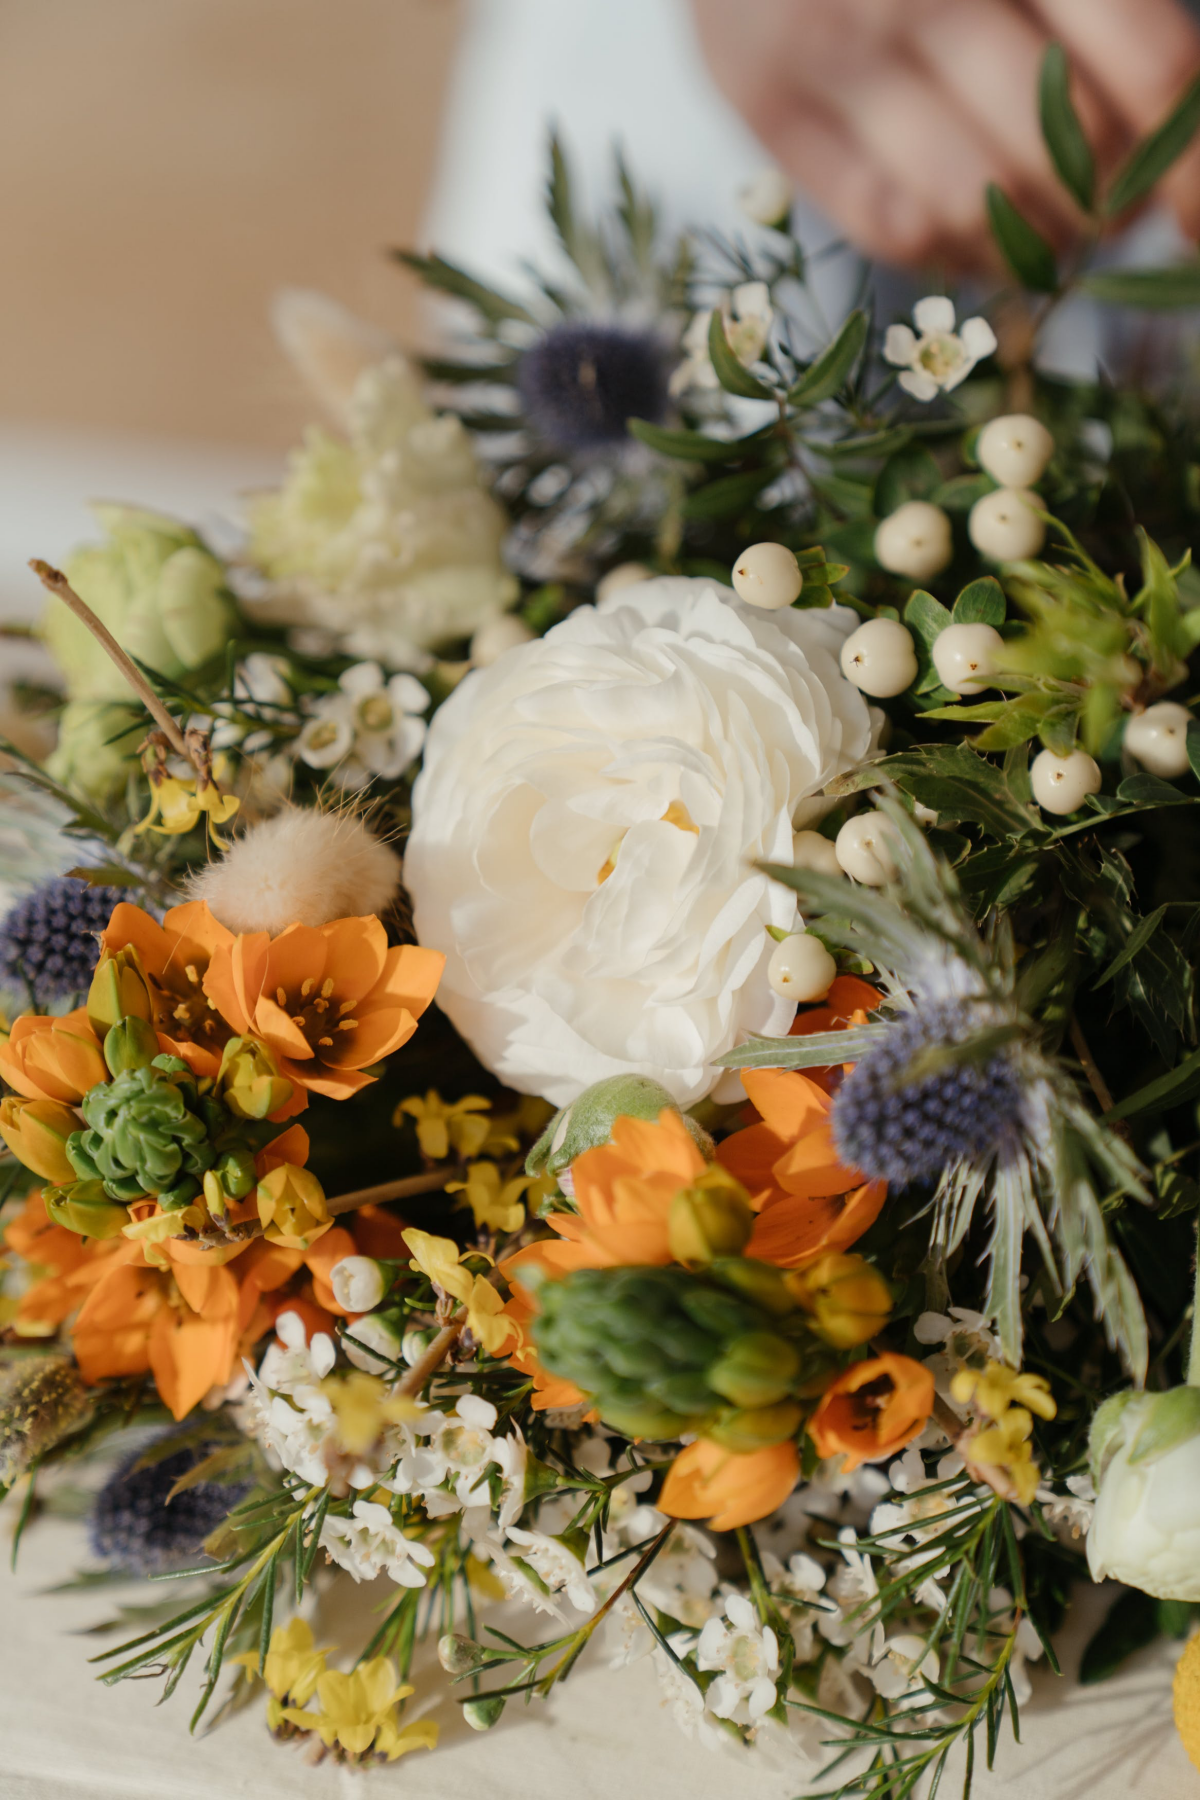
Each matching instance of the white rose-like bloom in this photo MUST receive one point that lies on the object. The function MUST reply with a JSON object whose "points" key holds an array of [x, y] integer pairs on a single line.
{"points": [[1146, 1526], [587, 818]]}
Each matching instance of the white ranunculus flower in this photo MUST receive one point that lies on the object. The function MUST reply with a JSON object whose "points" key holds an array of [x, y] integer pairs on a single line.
{"points": [[587, 818], [1146, 1461]]}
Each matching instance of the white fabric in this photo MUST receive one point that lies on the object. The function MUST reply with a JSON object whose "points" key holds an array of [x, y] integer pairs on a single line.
{"points": [[63, 1736]]}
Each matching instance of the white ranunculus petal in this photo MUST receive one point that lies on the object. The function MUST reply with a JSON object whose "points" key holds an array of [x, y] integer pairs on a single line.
{"points": [[587, 933]]}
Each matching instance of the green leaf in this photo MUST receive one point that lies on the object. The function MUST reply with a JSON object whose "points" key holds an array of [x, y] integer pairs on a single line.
{"points": [[1193, 749], [831, 370], [730, 373], [696, 446], [436, 272], [1150, 160], [956, 783], [1156, 290], [1069, 149], [1022, 246], [910, 474], [1130, 1624], [926, 617], [861, 444], [107, 875], [980, 603], [1020, 720], [1180, 1084], [960, 493], [1141, 934], [1170, 1420], [1152, 790], [727, 495]]}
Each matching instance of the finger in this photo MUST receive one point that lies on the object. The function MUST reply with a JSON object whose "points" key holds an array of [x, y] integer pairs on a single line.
{"points": [[987, 57], [1140, 54]]}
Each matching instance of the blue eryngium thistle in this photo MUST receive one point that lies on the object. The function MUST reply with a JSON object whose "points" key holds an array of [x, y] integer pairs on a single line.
{"points": [[134, 1527], [48, 939], [580, 384], [896, 1124]]}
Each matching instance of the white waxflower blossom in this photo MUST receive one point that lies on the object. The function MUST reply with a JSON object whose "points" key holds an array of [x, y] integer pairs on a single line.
{"points": [[292, 1361], [370, 727], [292, 1416], [450, 1468], [1072, 1512], [682, 1579], [369, 1544], [748, 316], [899, 1672], [388, 540], [586, 824], [855, 1626], [798, 1587], [560, 1575], [939, 357], [260, 691], [747, 1654], [1028, 1646], [964, 1337], [682, 1694]]}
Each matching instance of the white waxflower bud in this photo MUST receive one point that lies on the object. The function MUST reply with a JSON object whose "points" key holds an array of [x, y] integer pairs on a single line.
{"points": [[624, 575], [801, 968], [497, 635], [1146, 1464], [924, 815], [767, 197], [879, 658], [1014, 450], [864, 848], [1062, 783], [914, 540], [965, 657], [1158, 738], [812, 851], [767, 575], [357, 1283], [1005, 526], [374, 1332]]}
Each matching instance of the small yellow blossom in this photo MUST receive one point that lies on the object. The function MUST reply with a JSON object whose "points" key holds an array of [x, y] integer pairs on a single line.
{"points": [[292, 1208], [488, 1322], [358, 1711], [1002, 1455], [995, 1388], [178, 804], [444, 1125], [364, 1406], [438, 1257], [292, 1665], [495, 1203]]}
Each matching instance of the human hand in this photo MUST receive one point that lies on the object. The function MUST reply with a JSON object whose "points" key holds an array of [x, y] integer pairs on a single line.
{"points": [[893, 115]]}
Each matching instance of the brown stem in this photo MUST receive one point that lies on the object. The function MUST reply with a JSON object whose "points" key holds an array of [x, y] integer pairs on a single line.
{"points": [[432, 1182], [57, 583], [1096, 1080], [433, 1358]]}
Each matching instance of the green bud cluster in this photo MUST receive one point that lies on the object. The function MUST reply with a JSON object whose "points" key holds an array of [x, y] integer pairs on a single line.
{"points": [[664, 1351]]}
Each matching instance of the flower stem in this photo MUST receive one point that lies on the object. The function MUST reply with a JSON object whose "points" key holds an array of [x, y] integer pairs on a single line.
{"points": [[1193, 1368], [430, 1183], [434, 1357]]}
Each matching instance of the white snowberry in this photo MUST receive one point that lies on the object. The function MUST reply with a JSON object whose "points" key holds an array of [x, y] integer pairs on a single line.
{"points": [[965, 657], [1062, 783], [1014, 450], [1005, 526], [1158, 738], [864, 848], [767, 197], [812, 851], [624, 575], [497, 635], [914, 540], [879, 658], [767, 575], [801, 968]]}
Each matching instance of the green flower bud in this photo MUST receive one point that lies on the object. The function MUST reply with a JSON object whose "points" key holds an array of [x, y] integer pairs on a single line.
{"points": [[43, 1399], [143, 1136], [236, 1172], [84, 1206], [482, 1712], [757, 1428], [761, 1283], [589, 1120], [97, 747], [458, 1655], [249, 1081], [130, 1044], [119, 991], [757, 1370], [711, 1218]]}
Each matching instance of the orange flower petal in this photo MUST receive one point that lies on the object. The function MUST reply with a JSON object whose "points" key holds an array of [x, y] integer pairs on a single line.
{"points": [[276, 1028], [811, 1166], [410, 975], [376, 1035], [188, 1355], [873, 1409], [728, 1489], [355, 956], [791, 1231], [789, 1103]]}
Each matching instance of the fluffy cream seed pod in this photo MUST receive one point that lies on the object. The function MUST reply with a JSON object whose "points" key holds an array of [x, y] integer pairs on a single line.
{"points": [[299, 867]]}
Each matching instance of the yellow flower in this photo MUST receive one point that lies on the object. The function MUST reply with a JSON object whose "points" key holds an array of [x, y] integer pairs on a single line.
{"points": [[293, 1664], [359, 1710], [995, 1388], [847, 1299], [487, 1320], [363, 1407], [1002, 1455], [496, 1204], [36, 1131], [177, 805], [291, 1207], [443, 1126], [1187, 1698], [438, 1257]]}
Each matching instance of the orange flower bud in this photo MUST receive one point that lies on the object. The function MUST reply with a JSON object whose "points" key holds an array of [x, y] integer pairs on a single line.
{"points": [[727, 1488], [47, 1058], [847, 1300], [119, 991], [36, 1132], [873, 1409]]}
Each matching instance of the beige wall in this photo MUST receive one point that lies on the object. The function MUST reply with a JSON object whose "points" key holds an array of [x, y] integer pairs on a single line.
{"points": [[166, 164]]}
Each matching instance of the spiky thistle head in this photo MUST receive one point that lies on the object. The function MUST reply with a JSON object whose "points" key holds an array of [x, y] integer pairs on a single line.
{"points": [[581, 382], [134, 1526], [48, 940]]}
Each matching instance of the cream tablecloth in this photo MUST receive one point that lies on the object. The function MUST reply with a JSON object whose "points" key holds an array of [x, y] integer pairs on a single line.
{"points": [[64, 1737]]}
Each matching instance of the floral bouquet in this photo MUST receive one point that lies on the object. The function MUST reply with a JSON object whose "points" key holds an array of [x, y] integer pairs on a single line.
{"points": [[616, 1054]]}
